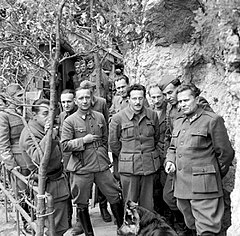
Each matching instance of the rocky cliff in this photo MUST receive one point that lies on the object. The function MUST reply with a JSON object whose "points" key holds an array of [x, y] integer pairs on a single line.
{"points": [[196, 41]]}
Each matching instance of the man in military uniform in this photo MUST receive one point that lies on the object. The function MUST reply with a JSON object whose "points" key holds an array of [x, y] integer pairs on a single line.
{"points": [[134, 138], [159, 105], [85, 135], [11, 126], [169, 85], [56, 183], [199, 155]]}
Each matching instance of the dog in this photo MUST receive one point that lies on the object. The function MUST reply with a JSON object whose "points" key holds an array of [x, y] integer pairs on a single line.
{"points": [[142, 222]]}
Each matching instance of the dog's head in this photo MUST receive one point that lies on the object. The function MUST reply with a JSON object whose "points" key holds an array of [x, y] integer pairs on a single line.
{"points": [[131, 223], [140, 221]]}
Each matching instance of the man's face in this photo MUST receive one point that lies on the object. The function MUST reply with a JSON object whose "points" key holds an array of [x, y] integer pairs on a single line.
{"points": [[136, 100], [77, 68], [83, 67], [90, 64], [42, 116], [170, 94], [121, 87], [67, 101], [156, 96], [83, 99], [187, 102]]}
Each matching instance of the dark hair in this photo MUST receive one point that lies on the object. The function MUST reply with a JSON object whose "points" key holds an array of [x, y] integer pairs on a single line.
{"points": [[117, 78], [176, 82], [66, 91], [39, 102], [136, 87], [195, 91]]}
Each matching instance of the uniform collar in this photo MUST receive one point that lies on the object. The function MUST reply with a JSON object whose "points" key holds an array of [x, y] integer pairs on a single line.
{"points": [[94, 100], [84, 115], [130, 113], [194, 116]]}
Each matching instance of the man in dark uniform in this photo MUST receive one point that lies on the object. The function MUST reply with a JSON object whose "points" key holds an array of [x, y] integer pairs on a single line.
{"points": [[11, 126], [56, 184], [85, 135], [169, 85], [134, 138], [159, 105], [199, 155]]}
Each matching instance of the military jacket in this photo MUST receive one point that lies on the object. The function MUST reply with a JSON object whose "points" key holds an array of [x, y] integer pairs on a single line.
{"points": [[11, 127], [85, 158], [135, 139], [202, 153], [56, 183]]}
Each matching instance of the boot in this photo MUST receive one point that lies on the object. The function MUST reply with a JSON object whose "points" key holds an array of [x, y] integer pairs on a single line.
{"points": [[77, 229], [180, 226], [85, 221], [104, 211], [118, 212]]}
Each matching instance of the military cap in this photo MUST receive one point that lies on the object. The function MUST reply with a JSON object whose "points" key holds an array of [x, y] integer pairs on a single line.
{"points": [[165, 81], [87, 84]]}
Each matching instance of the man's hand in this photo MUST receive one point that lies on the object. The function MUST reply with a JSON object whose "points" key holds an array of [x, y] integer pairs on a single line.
{"points": [[170, 167], [89, 138]]}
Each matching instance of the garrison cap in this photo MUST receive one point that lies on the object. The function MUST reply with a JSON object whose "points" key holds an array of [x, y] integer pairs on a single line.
{"points": [[165, 81]]}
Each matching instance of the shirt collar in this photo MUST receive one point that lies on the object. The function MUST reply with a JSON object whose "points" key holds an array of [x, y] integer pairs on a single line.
{"points": [[195, 115], [130, 113], [84, 115]]}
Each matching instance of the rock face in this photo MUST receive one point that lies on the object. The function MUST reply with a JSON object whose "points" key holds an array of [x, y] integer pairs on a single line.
{"points": [[171, 51]]}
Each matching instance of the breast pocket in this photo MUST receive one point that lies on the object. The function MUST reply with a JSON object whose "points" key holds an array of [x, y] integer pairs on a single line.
{"points": [[127, 130], [150, 128], [16, 126], [198, 138], [80, 131], [204, 179], [99, 130]]}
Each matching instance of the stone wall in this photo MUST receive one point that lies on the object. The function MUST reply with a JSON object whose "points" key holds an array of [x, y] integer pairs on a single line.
{"points": [[219, 81]]}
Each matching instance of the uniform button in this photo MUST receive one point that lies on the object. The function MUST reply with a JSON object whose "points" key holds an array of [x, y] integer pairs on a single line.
{"points": [[179, 168], [180, 155], [184, 131], [181, 143]]}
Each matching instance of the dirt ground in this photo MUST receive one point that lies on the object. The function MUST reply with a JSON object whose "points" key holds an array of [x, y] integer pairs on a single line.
{"points": [[100, 227]]}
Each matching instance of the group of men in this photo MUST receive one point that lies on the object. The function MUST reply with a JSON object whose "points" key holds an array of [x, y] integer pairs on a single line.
{"points": [[170, 155]]}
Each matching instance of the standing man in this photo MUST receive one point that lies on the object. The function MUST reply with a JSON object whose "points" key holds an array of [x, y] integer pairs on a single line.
{"points": [[134, 138], [99, 104], [120, 100], [169, 85], [85, 135], [69, 107], [159, 105], [199, 155], [56, 184], [105, 84], [11, 126]]}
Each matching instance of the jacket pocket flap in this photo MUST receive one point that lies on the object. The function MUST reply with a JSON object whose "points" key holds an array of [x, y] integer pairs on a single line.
{"points": [[149, 122], [80, 129], [175, 133], [203, 170], [126, 157], [156, 154], [199, 132], [127, 125]]}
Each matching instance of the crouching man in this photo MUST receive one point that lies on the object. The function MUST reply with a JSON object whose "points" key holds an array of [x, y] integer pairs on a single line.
{"points": [[56, 183], [84, 133]]}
